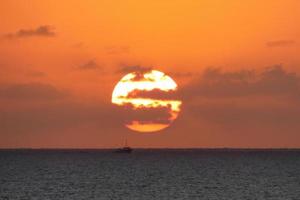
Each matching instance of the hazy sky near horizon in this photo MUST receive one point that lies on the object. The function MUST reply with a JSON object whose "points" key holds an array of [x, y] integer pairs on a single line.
{"points": [[236, 63]]}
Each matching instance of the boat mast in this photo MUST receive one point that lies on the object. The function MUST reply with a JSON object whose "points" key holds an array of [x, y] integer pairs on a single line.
{"points": [[125, 142]]}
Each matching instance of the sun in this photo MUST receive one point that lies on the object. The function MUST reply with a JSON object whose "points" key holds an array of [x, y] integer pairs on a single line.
{"points": [[147, 99]]}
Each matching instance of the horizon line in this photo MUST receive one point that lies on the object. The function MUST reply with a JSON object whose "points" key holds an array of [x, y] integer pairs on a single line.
{"points": [[160, 148]]}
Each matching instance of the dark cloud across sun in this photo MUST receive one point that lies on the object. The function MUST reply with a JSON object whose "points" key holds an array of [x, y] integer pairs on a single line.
{"points": [[236, 101], [133, 68]]}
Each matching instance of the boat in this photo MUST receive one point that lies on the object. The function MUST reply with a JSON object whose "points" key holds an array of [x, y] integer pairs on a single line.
{"points": [[125, 149]]}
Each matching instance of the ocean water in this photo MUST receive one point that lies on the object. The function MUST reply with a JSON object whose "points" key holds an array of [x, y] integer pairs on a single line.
{"points": [[149, 174]]}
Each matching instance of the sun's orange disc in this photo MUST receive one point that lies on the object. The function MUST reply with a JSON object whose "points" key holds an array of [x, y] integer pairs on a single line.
{"points": [[148, 100]]}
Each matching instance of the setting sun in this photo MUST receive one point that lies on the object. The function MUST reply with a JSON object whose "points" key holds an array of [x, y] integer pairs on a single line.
{"points": [[141, 90]]}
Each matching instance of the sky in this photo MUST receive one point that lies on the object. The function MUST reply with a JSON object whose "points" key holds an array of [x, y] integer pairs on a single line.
{"points": [[236, 64]]}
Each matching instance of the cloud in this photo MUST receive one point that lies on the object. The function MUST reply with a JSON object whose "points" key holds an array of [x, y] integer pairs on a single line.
{"points": [[57, 117], [90, 65], [141, 69], [181, 74], [272, 81], [248, 118], [52, 117], [37, 108], [41, 31], [245, 102], [280, 43], [241, 107], [245, 113], [144, 115], [153, 94], [134, 68], [31, 91]]}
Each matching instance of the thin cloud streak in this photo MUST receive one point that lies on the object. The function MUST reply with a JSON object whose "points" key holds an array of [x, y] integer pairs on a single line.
{"points": [[41, 31], [280, 43], [90, 65]]}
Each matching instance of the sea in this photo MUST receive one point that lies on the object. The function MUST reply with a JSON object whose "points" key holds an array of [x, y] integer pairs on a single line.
{"points": [[212, 174]]}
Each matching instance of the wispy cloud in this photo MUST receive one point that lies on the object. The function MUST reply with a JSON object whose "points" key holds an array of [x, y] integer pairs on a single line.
{"points": [[31, 91], [133, 68], [90, 65], [245, 102], [272, 81], [41, 31], [280, 43]]}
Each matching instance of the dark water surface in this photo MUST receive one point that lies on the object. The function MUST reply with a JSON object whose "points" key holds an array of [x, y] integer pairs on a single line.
{"points": [[149, 174]]}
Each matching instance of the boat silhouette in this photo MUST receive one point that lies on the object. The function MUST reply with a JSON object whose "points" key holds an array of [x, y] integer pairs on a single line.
{"points": [[124, 149]]}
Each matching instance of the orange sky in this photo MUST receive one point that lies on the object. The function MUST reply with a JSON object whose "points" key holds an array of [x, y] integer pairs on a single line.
{"points": [[236, 64]]}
